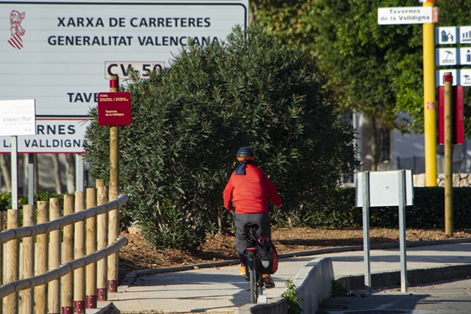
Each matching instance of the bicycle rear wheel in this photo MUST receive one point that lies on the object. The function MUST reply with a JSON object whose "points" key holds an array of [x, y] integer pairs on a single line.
{"points": [[253, 280]]}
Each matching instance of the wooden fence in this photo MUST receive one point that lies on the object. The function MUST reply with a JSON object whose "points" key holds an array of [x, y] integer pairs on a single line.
{"points": [[66, 263]]}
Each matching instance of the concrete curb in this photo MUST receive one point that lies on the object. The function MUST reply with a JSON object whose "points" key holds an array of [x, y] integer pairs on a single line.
{"points": [[314, 283], [414, 277], [277, 306], [130, 277]]}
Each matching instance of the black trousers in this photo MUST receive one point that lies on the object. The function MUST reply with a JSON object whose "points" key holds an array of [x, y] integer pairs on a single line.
{"points": [[241, 222]]}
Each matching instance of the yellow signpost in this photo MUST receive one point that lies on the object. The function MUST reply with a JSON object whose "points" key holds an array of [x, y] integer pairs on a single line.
{"points": [[430, 129], [426, 15]]}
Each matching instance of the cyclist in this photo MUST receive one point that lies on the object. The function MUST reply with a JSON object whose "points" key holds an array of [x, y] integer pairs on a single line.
{"points": [[249, 189]]}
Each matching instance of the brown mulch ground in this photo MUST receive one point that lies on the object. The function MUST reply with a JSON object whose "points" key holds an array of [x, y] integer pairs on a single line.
{"points": [[139, 255]]}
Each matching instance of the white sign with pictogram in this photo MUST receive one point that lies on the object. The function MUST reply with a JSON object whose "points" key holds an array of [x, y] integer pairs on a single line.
{"points": [[446, 35], [447, 56], [465, 77], [465, 56], [465, 35], [440, 74]]}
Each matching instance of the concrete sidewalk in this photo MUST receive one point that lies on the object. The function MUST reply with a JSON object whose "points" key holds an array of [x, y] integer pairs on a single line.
{"points": [[217, 288]]}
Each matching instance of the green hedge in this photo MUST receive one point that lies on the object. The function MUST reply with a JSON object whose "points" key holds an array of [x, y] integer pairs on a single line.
{"points": [[426, 213]]}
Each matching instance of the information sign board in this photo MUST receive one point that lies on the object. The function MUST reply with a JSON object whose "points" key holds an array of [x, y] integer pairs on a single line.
{"points": [[465, 56], [405, 15], [114, 108], [17, 117]]}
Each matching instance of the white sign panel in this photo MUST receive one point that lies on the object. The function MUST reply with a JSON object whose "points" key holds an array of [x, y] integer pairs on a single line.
{"points": [[17, 117], [440, 81], [447, 56], [465, 56], [62, 52], [384, 188], [52, 136], [446, 35], [405, 15], [465, 34], [465, 77]]}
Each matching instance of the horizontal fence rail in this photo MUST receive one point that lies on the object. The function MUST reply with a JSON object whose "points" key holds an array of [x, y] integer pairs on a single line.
{"points": [[57, 224], [61, 271], [69, 261]]}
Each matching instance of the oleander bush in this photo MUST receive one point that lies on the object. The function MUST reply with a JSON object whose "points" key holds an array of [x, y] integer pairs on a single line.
{"points": [[189, 120]]}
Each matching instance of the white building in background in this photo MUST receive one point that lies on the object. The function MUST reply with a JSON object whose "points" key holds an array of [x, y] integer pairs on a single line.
{"points": [[398, 151]]}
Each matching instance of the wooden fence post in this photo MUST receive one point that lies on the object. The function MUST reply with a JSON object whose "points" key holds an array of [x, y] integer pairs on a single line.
{"points": [[12, 260], [42, 259], [27, 295], [102, 237], [90, 289], [54, 257], [67, 280], [79, 273]]}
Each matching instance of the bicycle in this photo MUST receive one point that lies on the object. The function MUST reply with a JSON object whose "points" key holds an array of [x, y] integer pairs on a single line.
{"points": [[253, 261]]}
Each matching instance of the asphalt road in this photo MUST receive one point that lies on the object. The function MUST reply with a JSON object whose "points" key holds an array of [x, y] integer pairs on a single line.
{"points": [[446, 297]]}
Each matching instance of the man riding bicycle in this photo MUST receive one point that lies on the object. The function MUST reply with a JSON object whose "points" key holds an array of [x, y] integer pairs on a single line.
{"points": [[249, 188]]}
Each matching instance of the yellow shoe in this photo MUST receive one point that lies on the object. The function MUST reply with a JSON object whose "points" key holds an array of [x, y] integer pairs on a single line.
{"points": [[268, 281], [243, 271]]}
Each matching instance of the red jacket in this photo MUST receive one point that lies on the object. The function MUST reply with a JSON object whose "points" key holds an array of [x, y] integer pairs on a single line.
{"points": [[250, 192]]}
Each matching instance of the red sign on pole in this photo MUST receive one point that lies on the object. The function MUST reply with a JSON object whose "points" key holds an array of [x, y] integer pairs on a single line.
{"points": [[458, 114], [114, 108]]}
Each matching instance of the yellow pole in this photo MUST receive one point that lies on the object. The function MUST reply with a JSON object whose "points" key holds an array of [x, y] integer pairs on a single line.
{"points": [[430, 128]]}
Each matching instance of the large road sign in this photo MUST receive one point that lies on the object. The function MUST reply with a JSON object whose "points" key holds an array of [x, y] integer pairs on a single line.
{"points": [[61, 52], [52, 136]]}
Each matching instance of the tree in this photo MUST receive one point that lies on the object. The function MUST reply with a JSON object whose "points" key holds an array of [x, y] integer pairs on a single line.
{"points": [[189, 120], [373, 69]]}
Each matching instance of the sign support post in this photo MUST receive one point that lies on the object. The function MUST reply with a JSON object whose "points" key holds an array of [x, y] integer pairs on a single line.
{"points": [[402, 229], [366, 227], [114, 109], [113, 195], [430, 128], [31, 179], [448, 154], [14, 172]]}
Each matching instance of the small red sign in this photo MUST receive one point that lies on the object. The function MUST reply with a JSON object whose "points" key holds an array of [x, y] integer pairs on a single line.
{"points": [[114, 108]]}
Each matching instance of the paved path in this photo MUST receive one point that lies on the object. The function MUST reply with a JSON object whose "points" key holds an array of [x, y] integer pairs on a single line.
{"points": [[222, 290]]}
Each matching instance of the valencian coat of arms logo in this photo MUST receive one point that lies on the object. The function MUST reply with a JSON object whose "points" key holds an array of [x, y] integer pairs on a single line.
{"points": [[17, 31]]}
